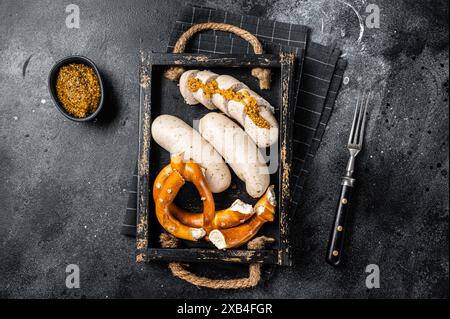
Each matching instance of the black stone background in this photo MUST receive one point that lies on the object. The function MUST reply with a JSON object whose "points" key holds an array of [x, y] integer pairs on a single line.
{"points": [[62, 189]]}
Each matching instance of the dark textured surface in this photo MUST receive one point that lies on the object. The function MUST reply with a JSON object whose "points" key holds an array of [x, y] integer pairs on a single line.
{"points": [[62, 191]]}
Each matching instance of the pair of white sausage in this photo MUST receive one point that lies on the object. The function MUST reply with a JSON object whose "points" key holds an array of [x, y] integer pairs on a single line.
{"points": [[263, 137], [177, 137], [219, 135]]}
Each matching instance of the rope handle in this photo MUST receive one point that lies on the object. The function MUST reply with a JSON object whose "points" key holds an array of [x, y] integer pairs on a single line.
{"points": [[178, 270], [263, 75]]}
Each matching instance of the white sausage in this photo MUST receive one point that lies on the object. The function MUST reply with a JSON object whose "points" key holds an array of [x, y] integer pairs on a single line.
{"points": [[205, 77], [176, 137], [237, 110], [226, 82], [238, 150], [263, 137], [184, 88]]}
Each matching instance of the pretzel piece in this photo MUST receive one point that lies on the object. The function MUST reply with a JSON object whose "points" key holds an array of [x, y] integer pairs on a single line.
{"points": [[164, 199], [239, 235], [192, 172], [238, 213]]}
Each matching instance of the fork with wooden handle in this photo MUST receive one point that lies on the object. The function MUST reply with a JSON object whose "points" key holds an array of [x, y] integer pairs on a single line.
{"points": [[355, 143]]}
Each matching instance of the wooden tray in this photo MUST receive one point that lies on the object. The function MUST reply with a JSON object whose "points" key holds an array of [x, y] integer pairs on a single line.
{"points": [[161, 96]]}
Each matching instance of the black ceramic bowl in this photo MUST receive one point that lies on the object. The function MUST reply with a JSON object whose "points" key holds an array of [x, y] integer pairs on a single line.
{"points": [[52, 86]]}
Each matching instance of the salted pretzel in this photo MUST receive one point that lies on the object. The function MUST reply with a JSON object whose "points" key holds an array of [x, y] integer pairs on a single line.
{"points": [[170, 188], [166, 187], [239, 235], [226, 228], [238, 213]]}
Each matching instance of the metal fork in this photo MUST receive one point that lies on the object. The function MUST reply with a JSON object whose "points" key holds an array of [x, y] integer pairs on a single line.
{"points": [[354, 146]]}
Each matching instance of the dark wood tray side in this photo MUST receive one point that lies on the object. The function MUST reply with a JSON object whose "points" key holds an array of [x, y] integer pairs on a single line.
{"points": [[280, 255]]}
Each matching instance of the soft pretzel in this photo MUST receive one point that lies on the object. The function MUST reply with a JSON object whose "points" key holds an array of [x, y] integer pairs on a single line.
{"points": [[167, 194], [239, 235], [167, 185], [238, 213], [192, 172], [227, 228], [233, 98]]}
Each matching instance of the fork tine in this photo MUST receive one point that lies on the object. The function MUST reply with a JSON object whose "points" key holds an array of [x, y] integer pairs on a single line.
{"points": [[358, 124], [361, 133], [350, 139]]}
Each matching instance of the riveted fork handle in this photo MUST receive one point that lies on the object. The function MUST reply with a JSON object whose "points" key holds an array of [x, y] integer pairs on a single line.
{"points": [[337, 236]]}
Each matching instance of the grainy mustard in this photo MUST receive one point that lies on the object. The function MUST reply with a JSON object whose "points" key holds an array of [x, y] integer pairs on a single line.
{"points": [[251, 106], [78, 89]]}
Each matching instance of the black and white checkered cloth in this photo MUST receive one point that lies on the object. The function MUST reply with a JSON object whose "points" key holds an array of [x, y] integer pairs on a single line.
{"points": [[319, 72]]}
